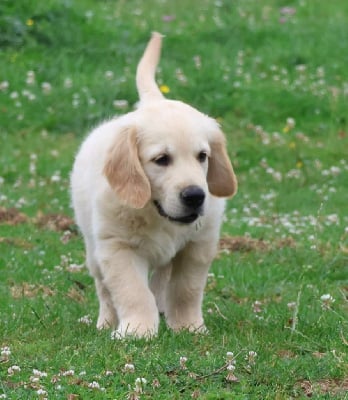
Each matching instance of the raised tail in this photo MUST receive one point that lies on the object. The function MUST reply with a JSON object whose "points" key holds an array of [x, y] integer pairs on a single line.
{"points": [[146, 71]]}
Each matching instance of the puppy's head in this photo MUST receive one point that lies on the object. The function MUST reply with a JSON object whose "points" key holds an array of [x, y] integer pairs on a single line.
{"points": [[172, 155]]}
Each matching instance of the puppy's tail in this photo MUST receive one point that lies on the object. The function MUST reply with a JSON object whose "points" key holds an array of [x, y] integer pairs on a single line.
{"points": [[146, 71]]}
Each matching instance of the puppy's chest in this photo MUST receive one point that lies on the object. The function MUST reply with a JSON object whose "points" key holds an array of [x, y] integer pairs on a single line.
{"points": [[159, 247], [156, 239]]}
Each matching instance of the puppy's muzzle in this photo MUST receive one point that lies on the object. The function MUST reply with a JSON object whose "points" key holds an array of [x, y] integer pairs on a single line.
{"points": [[192, 199]]}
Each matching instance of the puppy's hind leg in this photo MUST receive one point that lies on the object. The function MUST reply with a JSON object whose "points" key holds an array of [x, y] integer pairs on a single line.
{"points": [[107, 315], [158, 285]]}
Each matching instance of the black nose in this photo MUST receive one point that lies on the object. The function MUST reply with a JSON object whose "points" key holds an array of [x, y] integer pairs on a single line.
{"points": [[192, 196]]}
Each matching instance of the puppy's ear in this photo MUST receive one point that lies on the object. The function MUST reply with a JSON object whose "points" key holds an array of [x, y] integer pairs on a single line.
{"points": [[222, 181], [124, 171]]}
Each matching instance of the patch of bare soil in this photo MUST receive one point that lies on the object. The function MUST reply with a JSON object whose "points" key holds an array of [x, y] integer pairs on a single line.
{"points": [[30, 290], [247, 244], [76, 295], [12, 216], [55, 222], [16, 242], [332, 387]]}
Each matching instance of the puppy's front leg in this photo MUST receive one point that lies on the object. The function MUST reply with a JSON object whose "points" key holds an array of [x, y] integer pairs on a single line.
{"points": [[125, 276], [186, 286]]}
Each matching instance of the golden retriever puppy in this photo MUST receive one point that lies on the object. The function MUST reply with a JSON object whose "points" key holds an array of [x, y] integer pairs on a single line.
{"points": [[147, 191]]}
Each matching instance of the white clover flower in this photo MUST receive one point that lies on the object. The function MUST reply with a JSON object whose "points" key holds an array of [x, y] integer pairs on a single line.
{"points": [[12, 370], [294, 174], [230, 374], [68, 83], [54, 153], [333, 219], [94, 385], [5, 351], [301, 68], [46, 87], [251, 357], [198, 61], [69, 372], [180, 76], [140, 384], [4, 85], [39, 374], [277, 176], [86, 319], [335, 170], [258, 129], [56, 177], [74, 267], [291, 305], [129, 368], [183, 361], [109, 74], [290, 122], [327, 301], [230, 357], [31, 74], [41, 392], [257, 306]]}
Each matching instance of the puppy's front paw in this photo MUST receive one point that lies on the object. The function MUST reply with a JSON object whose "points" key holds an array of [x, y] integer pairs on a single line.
{"points": [[196, 326], [137, 330], [106, 320]]}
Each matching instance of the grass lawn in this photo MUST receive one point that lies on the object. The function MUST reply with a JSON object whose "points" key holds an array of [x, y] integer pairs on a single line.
{"points": [[275, 75]]}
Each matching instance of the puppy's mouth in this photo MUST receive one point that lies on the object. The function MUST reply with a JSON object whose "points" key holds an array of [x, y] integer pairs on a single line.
{"points": [[186, 219]]}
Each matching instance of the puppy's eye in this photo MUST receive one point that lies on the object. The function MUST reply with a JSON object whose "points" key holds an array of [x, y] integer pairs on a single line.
{"points": [[202, 156], [163, 160]]}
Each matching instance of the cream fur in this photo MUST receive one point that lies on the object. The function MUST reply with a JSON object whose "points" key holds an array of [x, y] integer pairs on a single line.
{"points": [[144, 263]]}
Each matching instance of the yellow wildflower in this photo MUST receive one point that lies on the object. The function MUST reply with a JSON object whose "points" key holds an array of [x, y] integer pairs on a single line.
{"points": [[164, 89], [29, 22], [292, 145], [299, 164]]}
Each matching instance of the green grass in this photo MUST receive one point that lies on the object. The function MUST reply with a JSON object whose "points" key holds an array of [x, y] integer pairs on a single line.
{"points": [[259, 66]]}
